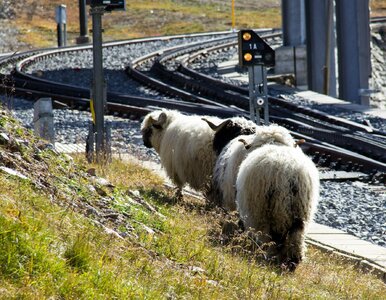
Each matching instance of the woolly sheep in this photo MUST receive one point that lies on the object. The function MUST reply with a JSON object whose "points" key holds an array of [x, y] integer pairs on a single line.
{"points": [[229, 129], [277, 193], [224, 132], [184, 144], [230, 158]]}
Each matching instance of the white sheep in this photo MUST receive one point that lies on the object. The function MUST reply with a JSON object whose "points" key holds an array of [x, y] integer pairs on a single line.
{"points": [[231, 153], [277, 193], [230, 158], [184, 144]]}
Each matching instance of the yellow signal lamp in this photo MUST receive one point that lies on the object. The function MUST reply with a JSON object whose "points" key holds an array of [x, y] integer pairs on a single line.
{"points": [[248, 56], [247, 36]]}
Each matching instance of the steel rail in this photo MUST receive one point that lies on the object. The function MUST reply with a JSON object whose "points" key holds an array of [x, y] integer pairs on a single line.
{"points": [[360, 144], [220, 90], [126, 104]]}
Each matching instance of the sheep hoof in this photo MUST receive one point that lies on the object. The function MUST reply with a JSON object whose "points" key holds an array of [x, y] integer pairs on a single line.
{"points": [[178, 195], [289, 266]]}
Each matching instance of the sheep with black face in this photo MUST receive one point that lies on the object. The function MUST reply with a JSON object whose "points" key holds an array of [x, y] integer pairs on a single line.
{"points": [[184, 144], [228, 162], [225, 142]]}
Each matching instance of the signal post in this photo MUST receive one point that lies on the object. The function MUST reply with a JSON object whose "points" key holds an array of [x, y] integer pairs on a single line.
{"points": [[98, 131], [257, 55]]}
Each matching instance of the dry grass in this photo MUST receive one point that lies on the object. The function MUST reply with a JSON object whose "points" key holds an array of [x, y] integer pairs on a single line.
{"points": [[36, 19]]}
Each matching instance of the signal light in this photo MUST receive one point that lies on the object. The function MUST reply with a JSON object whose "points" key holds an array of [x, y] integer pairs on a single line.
{"points": [[248, 56], [253, 50], [246, 36]]}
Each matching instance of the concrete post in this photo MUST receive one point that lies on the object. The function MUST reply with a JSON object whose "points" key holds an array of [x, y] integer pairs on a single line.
{"points": [[44, 119], [353, 41], [317, 27]]}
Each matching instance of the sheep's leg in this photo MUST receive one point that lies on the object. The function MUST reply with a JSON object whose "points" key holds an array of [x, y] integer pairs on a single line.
{"points": [[178, 190], [178, 194], [293, 249]]}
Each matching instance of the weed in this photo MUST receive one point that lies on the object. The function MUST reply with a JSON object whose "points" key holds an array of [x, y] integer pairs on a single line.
{"points": [[78, 254]]}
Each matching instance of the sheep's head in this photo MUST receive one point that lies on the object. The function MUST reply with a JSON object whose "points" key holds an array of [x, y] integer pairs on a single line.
{"points": [[153, 123], [272, 134], [228, 130]]}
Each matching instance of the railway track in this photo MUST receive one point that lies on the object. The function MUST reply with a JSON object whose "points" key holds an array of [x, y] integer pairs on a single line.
{"points": [[169, 72], [323, 131], [15, 80]]}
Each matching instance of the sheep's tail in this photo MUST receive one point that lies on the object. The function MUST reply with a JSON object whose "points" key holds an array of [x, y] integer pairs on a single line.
{"points": [[293, 246]]}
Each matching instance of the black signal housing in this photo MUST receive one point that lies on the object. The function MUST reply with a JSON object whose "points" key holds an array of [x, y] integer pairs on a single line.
{"points": [[109, 5], [253, 50]]}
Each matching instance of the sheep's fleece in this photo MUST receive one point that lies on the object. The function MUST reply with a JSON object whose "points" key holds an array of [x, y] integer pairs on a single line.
{"points": [[277, 193], [230, 158], [184, 144]]}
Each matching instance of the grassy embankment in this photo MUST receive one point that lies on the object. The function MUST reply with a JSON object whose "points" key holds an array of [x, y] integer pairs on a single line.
{"points": [[36, 19], [65, 235]]}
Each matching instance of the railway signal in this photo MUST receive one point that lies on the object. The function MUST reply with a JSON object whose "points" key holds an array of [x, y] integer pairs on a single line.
{"points": [[98, 91], [257, 55], [108, 5], [253, 50]]}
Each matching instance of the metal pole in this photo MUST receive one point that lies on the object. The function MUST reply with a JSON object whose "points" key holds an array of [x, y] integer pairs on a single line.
{"points": [[329, 31], [252, 93], [295, 67], [65, 34], [353, 36], [233, 15], [83, 28], [61, 20], [256, 92], [316, 20], [59, 35], [265, 95], [98, 81], [293, 19]]}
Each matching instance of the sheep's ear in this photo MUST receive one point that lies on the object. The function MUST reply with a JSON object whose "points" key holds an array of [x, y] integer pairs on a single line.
{"points": [[214, 127], [161, 119], [299, 142], [152, 120], [246, 145]]}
